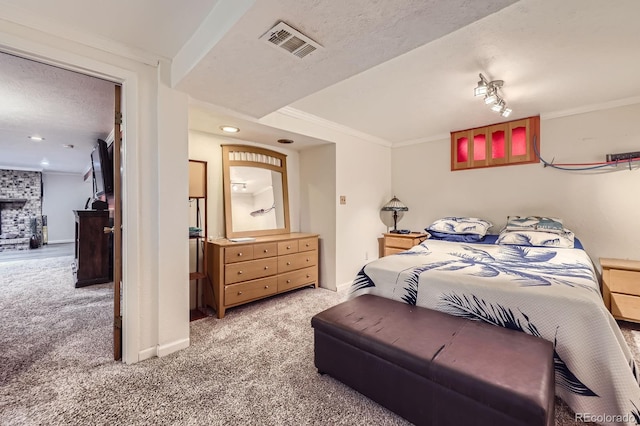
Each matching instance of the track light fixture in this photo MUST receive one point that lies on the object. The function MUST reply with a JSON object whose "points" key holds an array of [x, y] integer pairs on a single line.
{"points": [[489, 89]]}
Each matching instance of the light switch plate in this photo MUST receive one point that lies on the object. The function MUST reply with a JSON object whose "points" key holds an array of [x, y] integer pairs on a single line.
{"points": [[343, 199]]}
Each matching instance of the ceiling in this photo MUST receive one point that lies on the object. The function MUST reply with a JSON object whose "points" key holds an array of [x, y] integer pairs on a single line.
{"points": [[395, 72]]}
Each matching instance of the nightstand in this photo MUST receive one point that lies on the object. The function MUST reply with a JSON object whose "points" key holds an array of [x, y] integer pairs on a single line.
{"points": [[621, 288], [395, 243]]}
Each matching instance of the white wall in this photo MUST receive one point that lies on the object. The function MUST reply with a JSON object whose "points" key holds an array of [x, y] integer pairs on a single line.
{"points": [[318, 208], [62, 194], [600, 207]]}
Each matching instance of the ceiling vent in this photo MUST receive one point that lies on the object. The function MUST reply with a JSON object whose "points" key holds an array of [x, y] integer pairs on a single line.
{"points": [[293, 41]]}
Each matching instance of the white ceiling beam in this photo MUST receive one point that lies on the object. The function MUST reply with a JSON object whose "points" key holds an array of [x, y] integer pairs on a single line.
{"points": [[219, 21]]}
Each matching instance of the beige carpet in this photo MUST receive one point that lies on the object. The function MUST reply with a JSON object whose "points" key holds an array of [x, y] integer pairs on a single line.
{"points": [[255, 366]]}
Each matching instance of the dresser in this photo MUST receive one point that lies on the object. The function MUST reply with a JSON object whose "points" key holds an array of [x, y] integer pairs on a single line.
{"points": [[241, 272], [395, 243], [621, 288], [91, 247]]}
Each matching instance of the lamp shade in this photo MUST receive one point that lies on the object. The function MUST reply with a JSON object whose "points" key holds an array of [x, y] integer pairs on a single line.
{"points": [[395, 205]]}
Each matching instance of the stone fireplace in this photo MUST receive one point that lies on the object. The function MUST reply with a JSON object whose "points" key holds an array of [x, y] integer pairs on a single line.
{"points": [[20, 204]]}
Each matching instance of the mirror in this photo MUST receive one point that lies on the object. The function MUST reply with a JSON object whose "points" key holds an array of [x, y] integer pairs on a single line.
{"points": [[256, 201]]}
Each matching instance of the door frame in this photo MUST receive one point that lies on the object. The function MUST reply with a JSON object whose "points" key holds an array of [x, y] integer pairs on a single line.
{"points": [[128, 80]]}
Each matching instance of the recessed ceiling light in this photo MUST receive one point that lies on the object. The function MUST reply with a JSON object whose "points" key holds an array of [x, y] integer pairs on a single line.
{"points": [[229, 129], [44, 162], [285, 140], [68, 145], [36, 138]]}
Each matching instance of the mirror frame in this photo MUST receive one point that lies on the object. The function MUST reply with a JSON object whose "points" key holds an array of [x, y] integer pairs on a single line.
{"points": [[253, 157]]}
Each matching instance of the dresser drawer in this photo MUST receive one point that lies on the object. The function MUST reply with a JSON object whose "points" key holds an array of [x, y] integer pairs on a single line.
{"points": [[238, 293], [286, 247], [244, 271], [291, 262], [308, 244], [297, 278], [263, 250], [238, 254], [627, 282], [625, 307]]}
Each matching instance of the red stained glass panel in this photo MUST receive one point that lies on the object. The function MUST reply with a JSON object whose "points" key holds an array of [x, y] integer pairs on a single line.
{"points": [[518, 141], [497, 144], [462, 147], [479, 147]]}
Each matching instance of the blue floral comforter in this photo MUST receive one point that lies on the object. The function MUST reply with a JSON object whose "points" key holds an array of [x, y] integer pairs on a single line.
{"points": [[551, 293]]}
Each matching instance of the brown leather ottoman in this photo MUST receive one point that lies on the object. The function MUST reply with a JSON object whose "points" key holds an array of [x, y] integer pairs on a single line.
{"points": [[436, 369]]}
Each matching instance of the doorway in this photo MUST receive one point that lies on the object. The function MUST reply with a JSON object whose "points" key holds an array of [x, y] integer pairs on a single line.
{"points": [[35, 73]]}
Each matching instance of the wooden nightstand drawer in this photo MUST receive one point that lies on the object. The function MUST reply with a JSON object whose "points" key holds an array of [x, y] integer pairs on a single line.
{"points": [[390, 250], [396, 243], [625, 307], [627, 282], [308, 244], [399, 242]]}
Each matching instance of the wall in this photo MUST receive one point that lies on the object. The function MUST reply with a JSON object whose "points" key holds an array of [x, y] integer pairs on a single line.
{"points": [[63, 193], [16, 217], [318, 208], [600, 207]]}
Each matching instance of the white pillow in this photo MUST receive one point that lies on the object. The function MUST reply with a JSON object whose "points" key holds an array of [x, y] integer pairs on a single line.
{"points": [[535, 223], [537, 238], [461, 225]]}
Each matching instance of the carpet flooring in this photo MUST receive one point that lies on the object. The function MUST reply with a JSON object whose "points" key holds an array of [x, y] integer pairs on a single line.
{"points": [[254, 367]]}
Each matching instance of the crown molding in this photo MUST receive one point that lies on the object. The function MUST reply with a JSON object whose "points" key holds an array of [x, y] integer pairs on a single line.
{"points": [[591, 108], [418, 141], [314, 119]]}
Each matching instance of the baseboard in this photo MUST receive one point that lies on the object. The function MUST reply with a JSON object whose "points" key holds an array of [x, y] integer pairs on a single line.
{"points": [[343, 286], [172, 347], [59, 241], [147, 353]]}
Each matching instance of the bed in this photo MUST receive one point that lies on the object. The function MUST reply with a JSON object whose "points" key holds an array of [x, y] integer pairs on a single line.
{"points": [[549, 292]]}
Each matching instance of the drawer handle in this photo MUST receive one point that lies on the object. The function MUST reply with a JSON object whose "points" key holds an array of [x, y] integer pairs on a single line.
{"points": [[307, 259], [307, 244], [240, 254], [266, 267], [288, 263], [308, 276], [288, 247], [288, 281], [266, 286], [239, 293], [266, 250], [239, 272]]}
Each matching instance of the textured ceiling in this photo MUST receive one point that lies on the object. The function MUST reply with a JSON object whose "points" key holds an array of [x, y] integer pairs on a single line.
{"points": [[246, 74], [64, 107], [393, 71]]}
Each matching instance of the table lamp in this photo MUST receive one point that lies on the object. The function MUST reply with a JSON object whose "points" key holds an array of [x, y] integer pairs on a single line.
{"points": [[395, 206]]}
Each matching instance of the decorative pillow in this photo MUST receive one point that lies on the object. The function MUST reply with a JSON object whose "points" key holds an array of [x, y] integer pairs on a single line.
{"points": [[459, 238], [460, 225], [534, 223], [537, 238]]}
